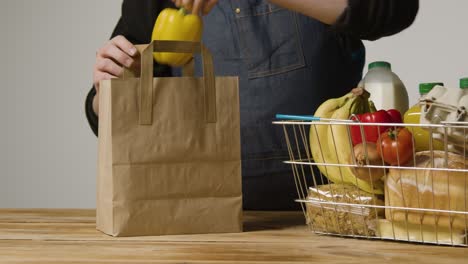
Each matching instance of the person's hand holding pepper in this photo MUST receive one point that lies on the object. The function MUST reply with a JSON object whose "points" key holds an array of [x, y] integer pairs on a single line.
{"points": [[196, 6]]}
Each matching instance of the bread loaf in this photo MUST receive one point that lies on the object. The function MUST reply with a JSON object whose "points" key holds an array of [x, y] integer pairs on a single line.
{"points": [[419, 233], [426, 189], [341, 218]]}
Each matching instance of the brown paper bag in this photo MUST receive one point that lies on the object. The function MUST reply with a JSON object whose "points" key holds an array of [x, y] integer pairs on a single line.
{"points": [[169, 151]]}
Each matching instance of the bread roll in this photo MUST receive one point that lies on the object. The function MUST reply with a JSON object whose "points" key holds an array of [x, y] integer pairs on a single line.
{"points": [[442, 190]]}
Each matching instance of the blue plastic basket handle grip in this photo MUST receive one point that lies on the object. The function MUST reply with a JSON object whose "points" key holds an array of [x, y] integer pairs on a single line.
{"points": [[297, 117]]}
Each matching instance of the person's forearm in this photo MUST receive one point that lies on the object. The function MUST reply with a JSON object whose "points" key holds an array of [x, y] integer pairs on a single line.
{"points": [[326, 11], [374, 19]]}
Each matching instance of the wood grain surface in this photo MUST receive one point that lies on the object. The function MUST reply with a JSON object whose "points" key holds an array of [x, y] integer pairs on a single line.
{"points": [[69, 236]]}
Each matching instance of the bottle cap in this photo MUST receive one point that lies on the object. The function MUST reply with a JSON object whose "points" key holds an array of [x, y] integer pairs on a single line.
{"points": [[464, 83], [425, 88], [380, 64]]}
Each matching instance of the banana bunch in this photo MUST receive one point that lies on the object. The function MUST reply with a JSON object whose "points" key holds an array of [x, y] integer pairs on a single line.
{"points": [[330, 143]]}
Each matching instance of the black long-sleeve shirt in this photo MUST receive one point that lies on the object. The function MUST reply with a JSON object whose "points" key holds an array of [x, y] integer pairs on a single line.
{"points": [[362, 19], [374, 19]]}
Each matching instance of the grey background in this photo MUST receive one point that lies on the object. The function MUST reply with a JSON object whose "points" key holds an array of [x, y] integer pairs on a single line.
{"points": [[48, 47], [47, 51]]}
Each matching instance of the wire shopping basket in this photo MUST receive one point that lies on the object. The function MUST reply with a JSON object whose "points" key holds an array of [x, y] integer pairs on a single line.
{"points": [[423, 199]]}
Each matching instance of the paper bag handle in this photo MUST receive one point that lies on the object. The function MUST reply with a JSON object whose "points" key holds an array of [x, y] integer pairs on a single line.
{"points": [[146, 76], [188, 70]]}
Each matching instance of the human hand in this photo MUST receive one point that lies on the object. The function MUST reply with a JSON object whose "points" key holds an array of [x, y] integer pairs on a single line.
{"points": [[111, 58], [196, 6]]}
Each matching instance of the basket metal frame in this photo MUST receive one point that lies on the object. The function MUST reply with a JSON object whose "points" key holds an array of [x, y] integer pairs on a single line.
{"points": [[296, 132]]}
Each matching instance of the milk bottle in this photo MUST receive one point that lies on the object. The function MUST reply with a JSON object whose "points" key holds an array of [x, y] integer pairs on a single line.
{"points": [[386, 89]]}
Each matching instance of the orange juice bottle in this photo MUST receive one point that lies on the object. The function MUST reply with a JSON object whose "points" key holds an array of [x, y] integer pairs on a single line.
{"points": [[422, 137]]}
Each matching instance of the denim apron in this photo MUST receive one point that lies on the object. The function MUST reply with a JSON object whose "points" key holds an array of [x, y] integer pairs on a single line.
{"points": [[287, 63]]}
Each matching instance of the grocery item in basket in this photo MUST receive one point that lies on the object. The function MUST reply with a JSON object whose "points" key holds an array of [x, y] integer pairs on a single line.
{"points": [[419, 233], [330, 143], [361, 133], [426, 189], [447, 105], [366, 154], [342, 218], [386, 88], [396, 146], [422, 137]]}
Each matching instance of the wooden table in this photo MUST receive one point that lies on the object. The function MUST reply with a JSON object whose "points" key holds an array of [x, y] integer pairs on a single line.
{"points": [[69, 236]]}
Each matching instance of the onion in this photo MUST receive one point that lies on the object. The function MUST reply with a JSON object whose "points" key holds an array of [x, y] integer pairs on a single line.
{"points": [[367, 155]]}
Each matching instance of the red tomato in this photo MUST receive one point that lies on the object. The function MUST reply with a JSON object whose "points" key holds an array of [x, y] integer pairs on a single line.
{"points": [[395, 146]]}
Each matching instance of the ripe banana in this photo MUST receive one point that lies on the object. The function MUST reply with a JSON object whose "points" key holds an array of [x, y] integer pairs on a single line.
{"points": [[330, 143], [318, 136]]}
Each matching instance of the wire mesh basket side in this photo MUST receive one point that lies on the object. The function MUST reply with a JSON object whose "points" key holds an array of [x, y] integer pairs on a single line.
{"points": [[423, 200]]}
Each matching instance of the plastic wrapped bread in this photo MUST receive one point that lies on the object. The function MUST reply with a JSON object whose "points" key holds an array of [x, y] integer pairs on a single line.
{"points": [[342, 218], [429, 189]]}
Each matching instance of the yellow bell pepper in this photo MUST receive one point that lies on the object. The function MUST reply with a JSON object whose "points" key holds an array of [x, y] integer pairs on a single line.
{"points": [[173, 24]]}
